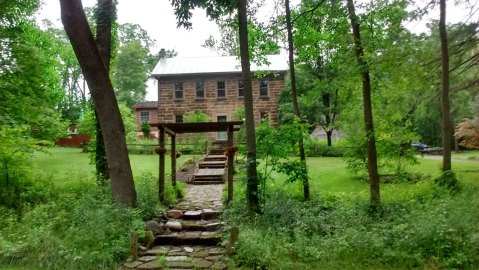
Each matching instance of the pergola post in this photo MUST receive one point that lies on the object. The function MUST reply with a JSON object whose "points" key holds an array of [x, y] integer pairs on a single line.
{"points": [[230, 155], [161, 152], [173, 161]]}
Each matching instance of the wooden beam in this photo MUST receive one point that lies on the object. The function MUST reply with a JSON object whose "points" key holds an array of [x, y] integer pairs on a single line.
{"points": [[161, 152], [173, 162], [230, 155]]}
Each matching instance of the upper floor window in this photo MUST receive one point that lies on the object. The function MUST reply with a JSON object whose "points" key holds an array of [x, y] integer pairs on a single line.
{"points": [[178, 118], [144, 116], [263, 88], [240, 88], [221, 89], [200, 89], [179, 90]]}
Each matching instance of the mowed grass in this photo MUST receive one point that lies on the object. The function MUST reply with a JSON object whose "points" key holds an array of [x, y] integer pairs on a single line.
{"points": [[76, 164], [328, 175]]}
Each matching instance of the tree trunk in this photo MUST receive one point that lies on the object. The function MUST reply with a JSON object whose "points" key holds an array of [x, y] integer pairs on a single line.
{"points": [[329, 133], [446, 117], [252, 194], [368, 113], [105, 15], [103, 96], [294, 97]]}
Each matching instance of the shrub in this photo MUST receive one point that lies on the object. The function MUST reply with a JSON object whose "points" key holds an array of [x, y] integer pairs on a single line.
{"points": [[81, 229], [438, 231]]}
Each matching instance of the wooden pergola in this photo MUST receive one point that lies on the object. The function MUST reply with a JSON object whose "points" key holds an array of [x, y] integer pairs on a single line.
{"points": [[172, 129]]}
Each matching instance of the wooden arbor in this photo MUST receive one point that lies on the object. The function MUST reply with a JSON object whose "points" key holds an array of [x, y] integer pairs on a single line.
{"points": [[179, 128]]}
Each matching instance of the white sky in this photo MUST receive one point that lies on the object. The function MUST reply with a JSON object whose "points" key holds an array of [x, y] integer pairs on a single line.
{"points": [[157, 18]]}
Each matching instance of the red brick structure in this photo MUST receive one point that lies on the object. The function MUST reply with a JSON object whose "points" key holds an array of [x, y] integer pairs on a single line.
{"points": [[146, 111], [213, 85]]}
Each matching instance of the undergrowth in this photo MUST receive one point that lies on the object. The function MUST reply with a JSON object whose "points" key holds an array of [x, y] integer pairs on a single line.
{"points": [[73, 227], [435, 230]]}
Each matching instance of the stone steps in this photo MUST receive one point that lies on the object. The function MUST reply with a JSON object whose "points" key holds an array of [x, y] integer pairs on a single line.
{"points": [[190, 236], [212, 164], [215, 158], [217, 151], [179, 257]]}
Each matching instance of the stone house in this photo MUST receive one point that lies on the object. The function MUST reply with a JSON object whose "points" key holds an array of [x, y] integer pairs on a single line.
{"points": [[214, 85]]}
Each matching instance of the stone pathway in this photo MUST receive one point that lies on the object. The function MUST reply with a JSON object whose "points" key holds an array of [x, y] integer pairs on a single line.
{"points": [[189, 237]]}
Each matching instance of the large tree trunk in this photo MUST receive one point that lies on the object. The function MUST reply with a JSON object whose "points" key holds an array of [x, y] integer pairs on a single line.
{"points": [[252, 195], [101, 89], [105, 15], [294, 97], [368, 112], [446, 117]]}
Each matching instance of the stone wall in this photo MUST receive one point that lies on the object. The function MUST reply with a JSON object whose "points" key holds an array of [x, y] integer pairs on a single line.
{"points": [[211, 104]]}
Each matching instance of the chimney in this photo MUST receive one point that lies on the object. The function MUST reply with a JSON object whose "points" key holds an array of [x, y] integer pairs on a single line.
{"points": [[162, 54]]}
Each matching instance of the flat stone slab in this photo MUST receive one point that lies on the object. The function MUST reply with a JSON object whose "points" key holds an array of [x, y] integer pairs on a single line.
{"points": [[192, 215], [174, 213], [210, 172], [174, 225], [147, 258]]}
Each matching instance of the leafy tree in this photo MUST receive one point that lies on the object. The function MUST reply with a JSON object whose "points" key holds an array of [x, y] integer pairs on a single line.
{"points": [[15, 149], [131, 73], [28, 77], [367, 103], [294, 97], [96, 74], [198, 140], [73, 103]]}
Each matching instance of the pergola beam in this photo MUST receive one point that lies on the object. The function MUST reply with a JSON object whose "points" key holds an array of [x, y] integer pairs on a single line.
{"points": [[172, 129]]}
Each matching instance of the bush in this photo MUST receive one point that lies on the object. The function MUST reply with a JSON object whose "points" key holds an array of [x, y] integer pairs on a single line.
{"points": [[81, 229], [438, 231]]}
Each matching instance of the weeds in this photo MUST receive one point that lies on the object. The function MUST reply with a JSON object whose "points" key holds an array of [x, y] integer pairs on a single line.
{"points": [[438, 231]]}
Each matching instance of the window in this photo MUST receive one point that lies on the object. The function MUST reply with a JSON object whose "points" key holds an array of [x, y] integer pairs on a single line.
{"points": [[221, 89], [178, 118], [179, 90], [221, 135], [200, 89], [145, 116], [263, 88], [240, 89]]}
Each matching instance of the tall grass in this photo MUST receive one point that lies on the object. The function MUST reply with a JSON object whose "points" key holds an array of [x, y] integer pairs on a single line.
{"points": [[420, 225], [66, 221]]}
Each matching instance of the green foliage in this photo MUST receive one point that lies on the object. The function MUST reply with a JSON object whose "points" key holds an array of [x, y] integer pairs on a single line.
{"points": [[146, 129], [315, 148], [429, 231], [448, 180], [80, 228], [29, 80], [147, 193], [196, 141], [131, 73], [275, 146], [86, 125], [16, 149]]}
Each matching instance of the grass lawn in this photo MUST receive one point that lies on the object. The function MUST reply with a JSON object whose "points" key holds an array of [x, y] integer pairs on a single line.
{"points": [[328, 175], [75, 163]]}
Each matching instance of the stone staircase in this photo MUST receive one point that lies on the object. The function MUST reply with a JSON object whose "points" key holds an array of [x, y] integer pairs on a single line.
{"points": [[212, 169], [188, 236]]}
